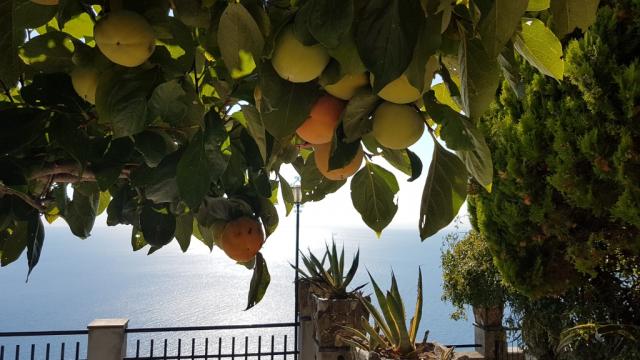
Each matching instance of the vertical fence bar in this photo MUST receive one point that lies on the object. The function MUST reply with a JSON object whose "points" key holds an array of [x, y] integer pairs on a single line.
{"points": [[33, 351], [2, 352], [77, 350], [246, 348], [138, 349], [233, 347], [47, 351], [219, 348], [17, 352], [179, 347], [259, 347], [164, 352], [62, 351], [193, 348], [285, 348], [151, 349], [272, 346], [206, 348]]}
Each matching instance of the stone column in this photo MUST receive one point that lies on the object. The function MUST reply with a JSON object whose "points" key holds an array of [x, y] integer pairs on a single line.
{"points": [[107, 339], [492, 341]]}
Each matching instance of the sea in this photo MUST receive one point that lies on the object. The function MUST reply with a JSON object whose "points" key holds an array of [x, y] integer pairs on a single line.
{"points": [[77, 281]]}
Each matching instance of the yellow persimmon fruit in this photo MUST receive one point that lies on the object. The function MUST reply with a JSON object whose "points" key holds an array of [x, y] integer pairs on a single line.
{"points": [[399, 91], [125, 38], [323, 120], [242, 238], [321, 154], [296, 62], [397, 126], [347, 86], [45, 2], [85, 81]]}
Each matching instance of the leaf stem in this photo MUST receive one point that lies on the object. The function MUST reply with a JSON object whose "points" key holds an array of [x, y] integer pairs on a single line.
{"points": [[24, 197]]}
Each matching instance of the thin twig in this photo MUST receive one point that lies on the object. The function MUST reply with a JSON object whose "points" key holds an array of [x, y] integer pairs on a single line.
{"points": [[26, 198]]}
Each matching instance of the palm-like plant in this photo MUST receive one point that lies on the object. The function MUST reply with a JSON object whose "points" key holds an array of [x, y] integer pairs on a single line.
{"points": [[389, 336], [332, 280]]}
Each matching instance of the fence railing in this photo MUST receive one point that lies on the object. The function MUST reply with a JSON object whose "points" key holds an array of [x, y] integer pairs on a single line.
{"points": [[41, 345], [225, 344]]}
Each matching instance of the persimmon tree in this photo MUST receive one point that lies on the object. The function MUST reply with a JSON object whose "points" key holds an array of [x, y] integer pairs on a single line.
{"points": [[175, 117]]}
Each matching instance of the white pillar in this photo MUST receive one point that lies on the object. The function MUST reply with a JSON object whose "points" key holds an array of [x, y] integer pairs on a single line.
{"points": [[107, 339]]}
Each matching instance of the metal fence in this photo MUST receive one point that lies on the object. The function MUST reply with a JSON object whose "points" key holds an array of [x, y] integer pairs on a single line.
{"points": [[515, 344], [256, 341]]}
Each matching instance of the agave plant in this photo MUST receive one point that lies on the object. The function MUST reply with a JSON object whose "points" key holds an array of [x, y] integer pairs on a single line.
{"points": [[389, 336], [332, 280]]}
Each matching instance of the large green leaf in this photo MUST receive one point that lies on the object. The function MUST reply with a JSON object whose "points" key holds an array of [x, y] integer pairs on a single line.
{"points": [[373, 194], [386, 32], [157, 225], [429, 40], [121, 99], [540, 47], [287, 194], [571, 14], [314, 185], [259, 282], [456, 129], [238, 32], [327, 20], [184, 229], [50, 52], [80, 213], [479, 77], [193, 180], [444, 192], [355, 118], [10, 40], [35, 240], [255, 127], [13, 241], [172, 104], [498, 25], [284, 105], [538, 5]]}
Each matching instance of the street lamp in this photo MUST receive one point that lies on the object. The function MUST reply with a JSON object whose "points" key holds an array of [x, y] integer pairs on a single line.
{"points": [[297, 199]]}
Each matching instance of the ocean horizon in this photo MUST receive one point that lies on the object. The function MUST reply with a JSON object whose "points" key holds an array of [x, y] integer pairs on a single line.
{"points": [[78, 281]]}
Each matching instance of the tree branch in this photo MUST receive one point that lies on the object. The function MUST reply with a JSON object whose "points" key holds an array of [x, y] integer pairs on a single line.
{"points": [[5, 190], [71, 173]]}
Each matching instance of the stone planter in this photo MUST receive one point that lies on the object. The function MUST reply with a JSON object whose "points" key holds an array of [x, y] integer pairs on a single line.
{"points": [[488, 316], [430, 351], [330, 314], [305, 298]]}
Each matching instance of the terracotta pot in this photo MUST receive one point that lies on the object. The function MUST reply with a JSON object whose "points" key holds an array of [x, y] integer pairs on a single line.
{"points": [[330, 314], [488, 316]]}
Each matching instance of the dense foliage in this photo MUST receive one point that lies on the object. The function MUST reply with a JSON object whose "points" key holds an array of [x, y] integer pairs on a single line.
{"points": [[194, 113], [561, 222], [469, 275]]}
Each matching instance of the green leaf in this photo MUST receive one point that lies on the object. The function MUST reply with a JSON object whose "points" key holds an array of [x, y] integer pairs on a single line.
{"points": [[540, 47], [184, 229], [356, 120], [373, 192], [80, 213], [328, 20], [19, 127], [172, 104], [158, 226], [444, 192], [29, 15], [571, 14], [284, 105], [210, 233], [50, 52], [137, 239], [259, 282], [479, 77], [538, 5], [287, 194], [456, 128], [103, 202], [193, 182], [342, 152], [68, 9], [35, 239], [12, 36], [314, 185], [121, 99], [385, 34], [237, 32], [417, 315], [13, 241], [346, 54], [268, 214], [256, 129], [429, 40], [498, 25], [154, 146]]}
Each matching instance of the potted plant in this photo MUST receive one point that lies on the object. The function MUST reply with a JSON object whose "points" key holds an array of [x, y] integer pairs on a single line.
{"points": [[332, 304], [389, 337]]}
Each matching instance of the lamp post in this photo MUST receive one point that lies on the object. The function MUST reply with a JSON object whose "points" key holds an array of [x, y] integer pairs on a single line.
{"points": [[297, 199]]}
